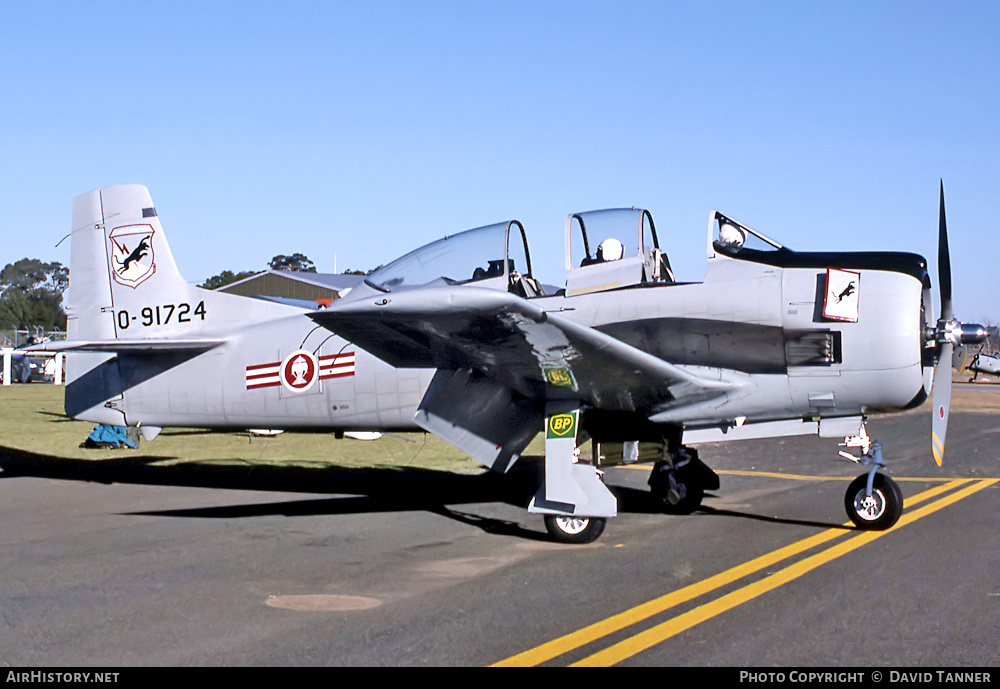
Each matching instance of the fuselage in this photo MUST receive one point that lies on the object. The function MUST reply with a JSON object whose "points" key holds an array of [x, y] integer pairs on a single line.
{"points": [[761, 324]]}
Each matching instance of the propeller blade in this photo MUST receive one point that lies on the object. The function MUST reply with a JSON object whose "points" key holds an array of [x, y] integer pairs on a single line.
{"points": [[948, 333], [941, 401], [944, 264]]}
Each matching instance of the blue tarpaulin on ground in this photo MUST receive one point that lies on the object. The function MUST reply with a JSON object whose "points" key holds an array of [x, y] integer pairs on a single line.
{"points": [[104, 435]]}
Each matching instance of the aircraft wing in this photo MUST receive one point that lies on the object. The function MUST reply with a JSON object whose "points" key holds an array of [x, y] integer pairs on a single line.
{"points": [[539, 354]]}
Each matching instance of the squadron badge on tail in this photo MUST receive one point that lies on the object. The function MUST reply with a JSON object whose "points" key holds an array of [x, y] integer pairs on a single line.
{"points": [[131, 251]]}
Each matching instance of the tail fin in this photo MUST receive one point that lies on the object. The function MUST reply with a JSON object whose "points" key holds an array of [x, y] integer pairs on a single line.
{"points": [[120, 264], [125, 291], [123, 281]]}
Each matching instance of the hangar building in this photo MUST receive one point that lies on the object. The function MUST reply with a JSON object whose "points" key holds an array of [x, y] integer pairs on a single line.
{"points": [[286, 284]]}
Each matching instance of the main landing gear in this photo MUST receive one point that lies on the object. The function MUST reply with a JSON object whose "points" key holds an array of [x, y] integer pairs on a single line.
{"points": [[873, 500], [680, 481], [573, 499], [569, 529]]}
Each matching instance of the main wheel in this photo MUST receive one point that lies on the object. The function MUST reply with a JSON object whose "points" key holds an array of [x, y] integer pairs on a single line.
{"points": [[687, 504], [684, 497], [566, 529], [876, 512]]}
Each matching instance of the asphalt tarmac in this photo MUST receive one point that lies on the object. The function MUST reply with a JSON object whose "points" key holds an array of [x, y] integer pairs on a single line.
{"points": [[114, 569]]}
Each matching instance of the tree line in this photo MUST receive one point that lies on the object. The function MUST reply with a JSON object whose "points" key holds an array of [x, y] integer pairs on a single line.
{"points": [[32, 295]]}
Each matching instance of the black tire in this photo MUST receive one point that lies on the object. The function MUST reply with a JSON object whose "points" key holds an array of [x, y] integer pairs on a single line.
{"points": [[688, 478], [688, 504], [879, 512], [569, 529]]}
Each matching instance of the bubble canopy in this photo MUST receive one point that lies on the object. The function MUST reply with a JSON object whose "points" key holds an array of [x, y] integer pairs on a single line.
{"points": [[490, 256]]}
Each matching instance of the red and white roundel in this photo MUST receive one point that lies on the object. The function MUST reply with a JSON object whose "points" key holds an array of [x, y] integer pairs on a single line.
{"points": [[299, 371]]}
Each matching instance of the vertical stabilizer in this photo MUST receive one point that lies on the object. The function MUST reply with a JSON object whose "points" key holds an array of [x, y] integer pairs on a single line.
{"points": [[124, 285], [119, 260]]}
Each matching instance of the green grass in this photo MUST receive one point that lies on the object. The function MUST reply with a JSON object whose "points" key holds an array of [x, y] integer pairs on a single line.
{"points": [[32, 420]]}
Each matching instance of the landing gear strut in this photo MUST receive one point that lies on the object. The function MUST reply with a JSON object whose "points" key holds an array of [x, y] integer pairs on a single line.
{"points": [[572, 497]]}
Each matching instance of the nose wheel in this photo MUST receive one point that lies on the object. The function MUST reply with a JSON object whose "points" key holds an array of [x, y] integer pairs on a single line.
{"points": [[877, 509], [873, 500]]}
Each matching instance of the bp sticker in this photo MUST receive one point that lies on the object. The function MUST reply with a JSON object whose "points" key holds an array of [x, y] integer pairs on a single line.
{"points": [[561, 426]]}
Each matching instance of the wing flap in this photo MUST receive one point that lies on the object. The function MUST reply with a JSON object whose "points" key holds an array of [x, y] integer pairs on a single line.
{"points": [[481, 417]]}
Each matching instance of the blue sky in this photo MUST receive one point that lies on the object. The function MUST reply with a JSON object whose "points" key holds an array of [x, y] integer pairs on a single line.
{"points": [[356, 131]]}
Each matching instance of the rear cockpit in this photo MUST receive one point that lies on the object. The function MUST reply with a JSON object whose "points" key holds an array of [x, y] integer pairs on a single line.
{"points": [[611, 249]]}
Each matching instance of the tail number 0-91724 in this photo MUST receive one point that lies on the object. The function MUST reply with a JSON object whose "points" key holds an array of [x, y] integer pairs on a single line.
{"points": [[162, 315]]}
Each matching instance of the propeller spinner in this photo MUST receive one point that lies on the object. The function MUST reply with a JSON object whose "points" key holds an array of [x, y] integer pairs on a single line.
{"points": [[948, 333]]}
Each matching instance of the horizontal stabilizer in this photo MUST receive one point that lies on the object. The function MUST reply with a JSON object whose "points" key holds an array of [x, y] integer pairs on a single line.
{"points": [[129, 346]]}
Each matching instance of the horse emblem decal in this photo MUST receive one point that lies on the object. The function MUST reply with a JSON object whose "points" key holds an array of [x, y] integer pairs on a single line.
{"points": [[131, 251], [843, 290]]}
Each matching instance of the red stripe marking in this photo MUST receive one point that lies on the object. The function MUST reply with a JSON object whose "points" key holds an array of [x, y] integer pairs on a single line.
{"points": [[257, 366], [269, 384], [263, 374]]}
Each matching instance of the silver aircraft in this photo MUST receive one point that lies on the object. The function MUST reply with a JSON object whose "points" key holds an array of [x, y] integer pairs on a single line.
{"points": [[458, 338], [981, 362]]}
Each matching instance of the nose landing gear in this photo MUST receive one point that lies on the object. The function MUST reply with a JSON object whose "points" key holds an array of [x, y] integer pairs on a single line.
{"points": [[873, 500]]}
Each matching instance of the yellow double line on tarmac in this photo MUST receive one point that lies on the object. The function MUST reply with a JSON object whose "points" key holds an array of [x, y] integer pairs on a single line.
{"points": [[661, 632]]}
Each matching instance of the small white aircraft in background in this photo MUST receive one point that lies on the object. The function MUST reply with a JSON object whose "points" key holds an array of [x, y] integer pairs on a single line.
{"points": [[980, 362], [458, 338]]}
